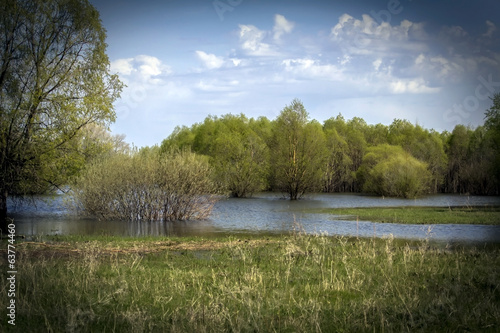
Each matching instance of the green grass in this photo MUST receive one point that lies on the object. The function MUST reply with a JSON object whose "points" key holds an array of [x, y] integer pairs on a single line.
{"points": [[295, 283], [487, 215]]}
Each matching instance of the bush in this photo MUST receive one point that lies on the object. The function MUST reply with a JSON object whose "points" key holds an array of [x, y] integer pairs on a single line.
{"points": [[390, 171], [147, 187]]}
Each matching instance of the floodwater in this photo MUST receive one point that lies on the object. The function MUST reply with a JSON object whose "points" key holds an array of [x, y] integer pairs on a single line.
{"points": [[265, 213]]}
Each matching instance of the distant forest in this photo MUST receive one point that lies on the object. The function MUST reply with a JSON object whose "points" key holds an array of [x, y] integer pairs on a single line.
{"points": [[295, 154]]}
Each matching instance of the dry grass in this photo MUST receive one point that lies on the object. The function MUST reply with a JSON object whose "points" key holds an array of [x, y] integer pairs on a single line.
{"points": [[295, 283]]}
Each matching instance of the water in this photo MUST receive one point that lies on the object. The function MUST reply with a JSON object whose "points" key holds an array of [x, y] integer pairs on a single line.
{"points": [[265, 213]]}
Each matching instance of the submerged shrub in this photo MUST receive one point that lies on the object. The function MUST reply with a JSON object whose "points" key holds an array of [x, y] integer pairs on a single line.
{"points": [[147, 187], [391, 171]]}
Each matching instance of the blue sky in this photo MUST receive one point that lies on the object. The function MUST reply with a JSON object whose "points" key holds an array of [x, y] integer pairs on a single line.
{"points": [[434, 63]]}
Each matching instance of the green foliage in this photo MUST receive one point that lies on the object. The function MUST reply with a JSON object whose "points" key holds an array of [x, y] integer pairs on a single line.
{"points": [[254, 154], [338, 174], [471, 161], [238, 154], [54, 81], [146, 186], [298, 152], [422, 144], [240, 160], [492, 125], [390, 171], [346, 157], [181, 138]]}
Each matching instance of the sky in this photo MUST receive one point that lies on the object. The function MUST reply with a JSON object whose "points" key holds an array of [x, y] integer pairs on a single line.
{"points": [[433, 63]]}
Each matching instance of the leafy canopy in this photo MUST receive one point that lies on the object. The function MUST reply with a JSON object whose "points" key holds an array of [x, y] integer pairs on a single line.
{"points": [[54, 81]]}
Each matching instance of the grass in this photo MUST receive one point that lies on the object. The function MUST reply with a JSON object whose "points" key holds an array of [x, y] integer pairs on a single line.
{"points": [[486, 215], [296, 283]]}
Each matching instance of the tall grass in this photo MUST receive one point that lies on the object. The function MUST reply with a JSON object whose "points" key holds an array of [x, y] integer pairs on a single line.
{"points": [[294, 283]]}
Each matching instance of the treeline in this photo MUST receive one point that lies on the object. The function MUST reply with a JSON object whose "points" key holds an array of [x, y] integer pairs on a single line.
{"points": [[295, 155]]}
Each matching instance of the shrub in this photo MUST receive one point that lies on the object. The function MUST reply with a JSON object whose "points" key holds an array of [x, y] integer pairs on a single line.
{"points": [[390, 171], [147, 187]]}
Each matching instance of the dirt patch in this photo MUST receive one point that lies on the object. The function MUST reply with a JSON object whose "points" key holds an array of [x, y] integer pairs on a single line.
{"points": [[72, 250]]}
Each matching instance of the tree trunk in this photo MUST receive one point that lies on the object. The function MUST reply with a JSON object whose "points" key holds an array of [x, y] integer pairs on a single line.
{"points": [[3, 211]]}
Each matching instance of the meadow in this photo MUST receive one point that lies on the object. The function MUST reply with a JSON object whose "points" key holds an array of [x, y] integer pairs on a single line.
{"points": [[288, 283], [481, 215]]}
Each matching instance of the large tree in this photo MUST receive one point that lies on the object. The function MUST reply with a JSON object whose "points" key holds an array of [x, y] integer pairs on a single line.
{"points": [[492, 124], [297, 152], [54, 81], [239, 156]]}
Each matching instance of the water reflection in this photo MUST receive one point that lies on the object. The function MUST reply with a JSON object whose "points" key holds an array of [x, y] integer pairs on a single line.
{"points": [[265, 213]]}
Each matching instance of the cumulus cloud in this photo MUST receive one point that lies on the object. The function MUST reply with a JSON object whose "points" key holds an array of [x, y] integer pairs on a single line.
{"points": [[144, 68], [210, 61], [257, 42], [235, 61], [366, 36], [413, 86], [419, 62], [251, 39], [151, 66], [441, 68], [122, 66], [312, 69], [281, 26]]}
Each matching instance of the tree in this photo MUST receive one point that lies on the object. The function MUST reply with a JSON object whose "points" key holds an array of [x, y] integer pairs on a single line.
{"points": [[471, 159], [457, 147], [338, 166], [297, 152], [181, 138], [54, 81], [352, 133], [95, 141], [492, 125], [422, 144], [390, 171], [240, 157], [238, 154]]}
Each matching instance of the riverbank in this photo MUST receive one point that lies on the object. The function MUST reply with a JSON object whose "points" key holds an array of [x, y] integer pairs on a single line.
{"points": [[272, 283], [480, 215]]}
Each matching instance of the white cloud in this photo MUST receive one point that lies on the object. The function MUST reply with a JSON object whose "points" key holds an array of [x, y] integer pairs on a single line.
{"points": [[211, 61], [414, 86], [216, 85], [281, 26], [236, 62], [142, 68], [366, 36], [420, 59], [251, 41], [491, 29], [122, 66], [376, 64], [151, 66], [346, 59], [442, 69], [312, 69]]}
